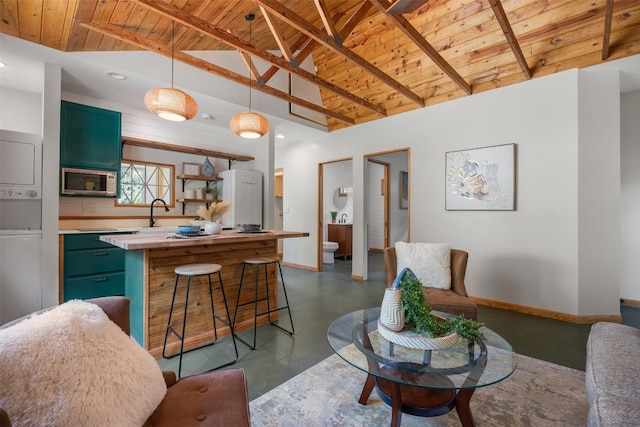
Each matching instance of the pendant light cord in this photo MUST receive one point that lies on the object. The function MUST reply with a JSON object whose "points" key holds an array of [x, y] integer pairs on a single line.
{"points": [[250, 18], [173, 40]]}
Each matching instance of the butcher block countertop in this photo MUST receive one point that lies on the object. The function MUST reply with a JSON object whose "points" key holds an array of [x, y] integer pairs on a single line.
{"points": [[162, 240]]}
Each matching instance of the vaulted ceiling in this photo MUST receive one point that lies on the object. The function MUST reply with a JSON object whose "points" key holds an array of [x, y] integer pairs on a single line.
{"points": [[373, 58]]}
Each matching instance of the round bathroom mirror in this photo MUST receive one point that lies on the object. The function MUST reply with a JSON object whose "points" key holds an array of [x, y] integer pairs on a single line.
{"points": [[339, 198]]}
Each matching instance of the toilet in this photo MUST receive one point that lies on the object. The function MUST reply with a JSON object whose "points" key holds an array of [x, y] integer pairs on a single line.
{"points": [[328, 248]]}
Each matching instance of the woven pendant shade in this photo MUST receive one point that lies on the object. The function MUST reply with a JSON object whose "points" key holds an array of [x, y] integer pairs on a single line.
{"points": [[171, 104], [249, 125]]}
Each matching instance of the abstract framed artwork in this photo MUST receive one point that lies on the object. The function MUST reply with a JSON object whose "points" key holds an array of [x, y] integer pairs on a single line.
{"points": [[481, 179], [404, 190]]}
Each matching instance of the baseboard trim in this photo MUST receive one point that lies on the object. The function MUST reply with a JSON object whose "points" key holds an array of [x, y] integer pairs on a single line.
{"points": [[630, 302], [300, 266], [541, 312]]}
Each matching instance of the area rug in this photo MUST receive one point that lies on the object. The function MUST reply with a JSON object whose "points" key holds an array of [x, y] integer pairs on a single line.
{"points": [[538, 393]]}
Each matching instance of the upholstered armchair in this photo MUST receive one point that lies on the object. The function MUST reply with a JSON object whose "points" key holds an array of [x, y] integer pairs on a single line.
{"points": [[217, 398], [454, 300]]}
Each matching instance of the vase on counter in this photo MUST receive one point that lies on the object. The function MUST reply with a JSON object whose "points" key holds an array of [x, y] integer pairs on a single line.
{"points": [[213, 227]]}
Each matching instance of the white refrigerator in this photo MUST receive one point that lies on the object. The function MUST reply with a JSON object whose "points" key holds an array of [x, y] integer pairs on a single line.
{"points": [[243, 190]]}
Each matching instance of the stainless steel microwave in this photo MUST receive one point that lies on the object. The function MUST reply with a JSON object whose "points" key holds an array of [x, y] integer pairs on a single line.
{"points": [[87, 182]]}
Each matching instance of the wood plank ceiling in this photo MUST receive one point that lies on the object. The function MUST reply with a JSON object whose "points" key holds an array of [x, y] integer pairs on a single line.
{"points": [[374, 58]]}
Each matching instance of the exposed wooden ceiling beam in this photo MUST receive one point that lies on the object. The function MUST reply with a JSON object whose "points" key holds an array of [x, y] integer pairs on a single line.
{"points": [[300, 24], [403, 25], [501, 16], [608, 17], [329, 25], [143, 43], [279, 37], [184, 149], [219, 34], [404, 6]]}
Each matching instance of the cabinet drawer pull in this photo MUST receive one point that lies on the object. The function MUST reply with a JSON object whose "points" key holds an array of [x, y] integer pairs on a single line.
{"points": [[102, 253], [100, 279]]}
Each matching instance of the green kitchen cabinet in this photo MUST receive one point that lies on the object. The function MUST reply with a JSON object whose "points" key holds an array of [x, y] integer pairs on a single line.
{"points": [[92, 268], [90, 137]]}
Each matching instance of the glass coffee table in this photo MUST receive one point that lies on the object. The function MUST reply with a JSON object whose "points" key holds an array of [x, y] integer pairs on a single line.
{"points": [[425, 383]]}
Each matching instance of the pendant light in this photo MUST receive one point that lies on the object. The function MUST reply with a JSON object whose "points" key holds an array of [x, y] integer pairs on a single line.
{"points": [[249, 125], [169, 103]]}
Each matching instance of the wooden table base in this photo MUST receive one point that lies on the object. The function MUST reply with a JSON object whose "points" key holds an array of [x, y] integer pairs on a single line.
{"points": [[419, 401]]}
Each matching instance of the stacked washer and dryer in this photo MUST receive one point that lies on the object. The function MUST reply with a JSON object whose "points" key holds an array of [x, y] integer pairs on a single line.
{"points": [[20, 224]]}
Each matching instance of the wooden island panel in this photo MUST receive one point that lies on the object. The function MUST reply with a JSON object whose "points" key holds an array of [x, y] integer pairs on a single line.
{"points": [[162, 263], [150, 262]]}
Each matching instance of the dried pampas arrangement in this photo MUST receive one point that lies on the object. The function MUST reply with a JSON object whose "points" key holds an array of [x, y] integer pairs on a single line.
{"points": [[215, 211]]}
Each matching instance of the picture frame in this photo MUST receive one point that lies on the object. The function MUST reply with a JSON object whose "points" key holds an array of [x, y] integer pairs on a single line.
{"points": [[190, 168], [481, 179], [403, 189]]}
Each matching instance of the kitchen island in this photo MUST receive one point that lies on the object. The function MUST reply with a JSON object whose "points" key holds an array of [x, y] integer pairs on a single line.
{"points": [[150, 261]]}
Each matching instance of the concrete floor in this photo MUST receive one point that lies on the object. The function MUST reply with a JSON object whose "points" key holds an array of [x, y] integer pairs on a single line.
{"points": [[317, 299]]}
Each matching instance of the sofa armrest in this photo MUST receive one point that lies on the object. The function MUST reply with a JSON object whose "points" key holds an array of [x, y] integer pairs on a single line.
{"points": [[116, 308], [169, 378]]}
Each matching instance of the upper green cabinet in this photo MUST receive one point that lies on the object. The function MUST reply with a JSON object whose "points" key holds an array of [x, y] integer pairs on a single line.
{"points": [[90, 137]]}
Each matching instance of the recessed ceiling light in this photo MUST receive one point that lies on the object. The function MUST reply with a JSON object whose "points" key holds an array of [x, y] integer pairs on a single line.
{"points": [[116, 76], [2, 65], [206, 116], [280, 136]]}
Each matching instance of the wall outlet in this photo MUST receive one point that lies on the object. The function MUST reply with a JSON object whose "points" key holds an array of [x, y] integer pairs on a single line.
{"points": [[88, 207]]}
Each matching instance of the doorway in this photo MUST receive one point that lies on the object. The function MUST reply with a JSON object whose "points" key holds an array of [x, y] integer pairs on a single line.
{"points": [[335, 203], [396, 203]]}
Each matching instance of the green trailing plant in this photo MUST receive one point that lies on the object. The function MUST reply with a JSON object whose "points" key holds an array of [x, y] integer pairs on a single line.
{"points": [[417, 312]]}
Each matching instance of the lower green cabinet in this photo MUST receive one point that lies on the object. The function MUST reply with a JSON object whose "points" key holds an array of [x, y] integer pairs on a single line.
{"points": [[92, 268]]}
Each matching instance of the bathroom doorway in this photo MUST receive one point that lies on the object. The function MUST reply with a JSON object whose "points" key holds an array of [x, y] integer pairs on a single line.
{"points": [[335, 206]]}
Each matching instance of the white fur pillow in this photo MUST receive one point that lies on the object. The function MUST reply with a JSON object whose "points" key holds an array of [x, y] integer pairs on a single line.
{"points": [[430, 262], [72, 366]]}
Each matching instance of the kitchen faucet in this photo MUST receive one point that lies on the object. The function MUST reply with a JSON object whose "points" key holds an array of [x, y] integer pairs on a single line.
{"points": [[166, 209], [343, 218]]}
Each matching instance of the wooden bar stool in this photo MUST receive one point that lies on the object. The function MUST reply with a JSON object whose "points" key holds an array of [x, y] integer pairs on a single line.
{"points": [[189, 271], [264, 261]]}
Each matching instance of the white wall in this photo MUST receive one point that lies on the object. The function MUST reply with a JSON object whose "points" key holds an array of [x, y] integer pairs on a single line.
{"points": [[20, 111], [528, 256], [630, 195], [599, 191]]}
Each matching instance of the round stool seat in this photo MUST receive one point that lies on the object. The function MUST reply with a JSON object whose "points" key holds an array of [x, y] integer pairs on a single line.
{"points": [[261, 260], [197, 269]]}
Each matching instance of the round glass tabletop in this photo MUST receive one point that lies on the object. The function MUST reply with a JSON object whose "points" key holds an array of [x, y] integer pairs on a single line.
{"points": [[355, 338]]}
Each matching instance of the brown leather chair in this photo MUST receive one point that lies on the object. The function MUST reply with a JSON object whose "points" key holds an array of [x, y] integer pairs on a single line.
{"points": [[454, 300], [217, 398]]}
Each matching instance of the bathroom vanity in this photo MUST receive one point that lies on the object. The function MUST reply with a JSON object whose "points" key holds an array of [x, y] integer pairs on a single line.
{"points": [[342, 234]]}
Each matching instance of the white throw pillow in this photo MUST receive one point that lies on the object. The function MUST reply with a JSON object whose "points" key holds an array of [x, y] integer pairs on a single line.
{"points": [[430, 262], [72, 366]]}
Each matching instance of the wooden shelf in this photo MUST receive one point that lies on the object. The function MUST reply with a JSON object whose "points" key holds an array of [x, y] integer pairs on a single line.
{"points": [[182, 149], [199, 178], [199, 201]]}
